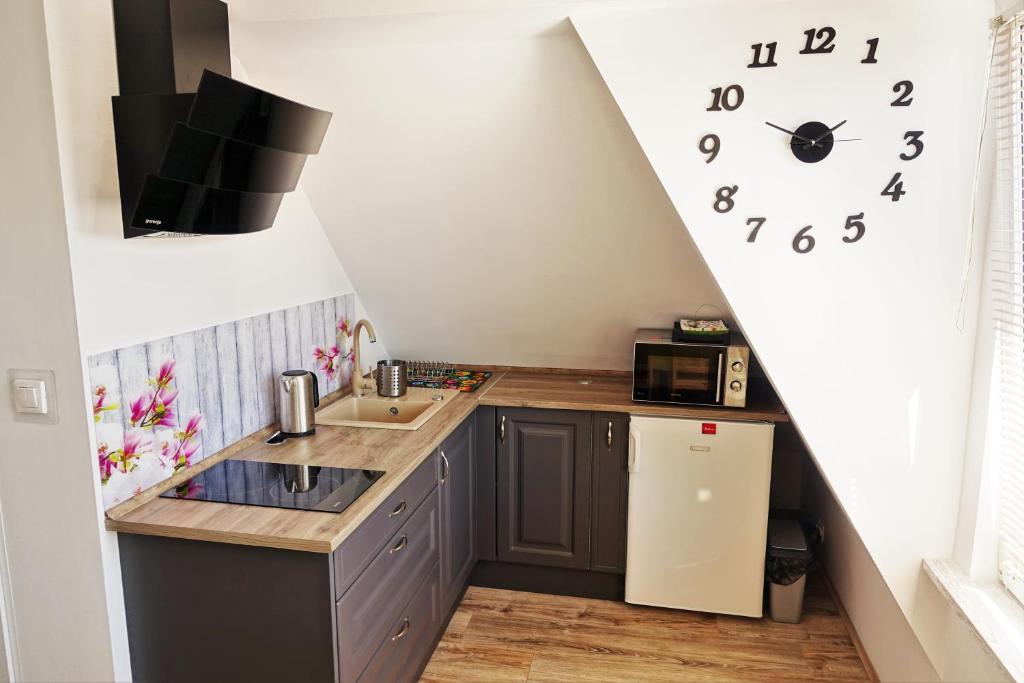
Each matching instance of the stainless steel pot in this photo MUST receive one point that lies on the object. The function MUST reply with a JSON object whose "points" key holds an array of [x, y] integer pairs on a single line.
{"points": [[392, 378]]}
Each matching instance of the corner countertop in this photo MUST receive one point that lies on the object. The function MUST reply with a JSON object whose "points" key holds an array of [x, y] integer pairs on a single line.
{"points": [[397, 452]]}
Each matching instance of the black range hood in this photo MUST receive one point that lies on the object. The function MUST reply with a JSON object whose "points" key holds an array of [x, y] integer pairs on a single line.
{"points": [[199, 153]]}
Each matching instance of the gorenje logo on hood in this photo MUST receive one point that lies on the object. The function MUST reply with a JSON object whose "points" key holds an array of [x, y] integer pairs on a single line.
{"points": [[152, 221]]}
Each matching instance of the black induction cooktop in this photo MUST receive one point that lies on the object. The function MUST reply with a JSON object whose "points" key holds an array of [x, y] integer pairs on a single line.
{"points": [[268, 484]]}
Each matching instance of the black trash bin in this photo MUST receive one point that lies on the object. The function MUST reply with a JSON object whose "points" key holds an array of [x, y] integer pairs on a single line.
{"points": [[786, 564]]}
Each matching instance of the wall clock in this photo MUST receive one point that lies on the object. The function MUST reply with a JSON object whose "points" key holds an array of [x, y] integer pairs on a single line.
{"points": [[808, 141]]}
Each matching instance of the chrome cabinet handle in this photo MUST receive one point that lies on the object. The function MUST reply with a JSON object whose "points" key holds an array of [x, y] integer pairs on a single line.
{"points": [[501, 430], [401, 544], [401, 633], [444, 467], [609, 434], [398, 510]]}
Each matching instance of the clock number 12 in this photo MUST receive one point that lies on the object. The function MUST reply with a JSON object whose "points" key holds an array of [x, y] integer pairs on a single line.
{"points": [[826, 35]]}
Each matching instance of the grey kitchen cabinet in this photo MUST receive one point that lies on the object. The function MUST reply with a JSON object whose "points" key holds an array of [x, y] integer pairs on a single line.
{"points": [[457, 486], [610, 490], [544, 487], [371, 610]]}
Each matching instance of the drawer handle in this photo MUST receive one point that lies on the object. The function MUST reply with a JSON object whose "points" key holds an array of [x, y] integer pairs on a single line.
{"points": [[401, 633], [401, 544], [609, 434], [398, 510], [501, 429], [444, 467]]}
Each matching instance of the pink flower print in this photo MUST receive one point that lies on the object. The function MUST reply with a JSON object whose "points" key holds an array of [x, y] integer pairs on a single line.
{"points": [[179, 450], [189, 489], [137, 443], [185, 453], [98, 407], [166, 374], [153, 408], [141, 406], [326, 359], [105, 462], [163, 415], [343, 328], [193, 426]]}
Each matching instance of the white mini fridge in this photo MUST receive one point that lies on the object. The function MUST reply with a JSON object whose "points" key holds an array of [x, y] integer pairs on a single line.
{"points": [[698, 514]]}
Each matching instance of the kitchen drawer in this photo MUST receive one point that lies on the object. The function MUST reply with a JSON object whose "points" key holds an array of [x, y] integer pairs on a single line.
{"points": [[411, 638], [362, 546], [378, 596]]}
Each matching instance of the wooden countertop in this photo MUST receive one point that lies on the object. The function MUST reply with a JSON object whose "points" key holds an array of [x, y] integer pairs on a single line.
{"points": [[397, 452], [609, 393]]}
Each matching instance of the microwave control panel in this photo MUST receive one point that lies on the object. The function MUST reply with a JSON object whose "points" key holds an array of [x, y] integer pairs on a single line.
{"points": [[737, 362]]}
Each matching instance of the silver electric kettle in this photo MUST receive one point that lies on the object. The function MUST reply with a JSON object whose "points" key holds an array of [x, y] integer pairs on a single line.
{"points": [[298, 395]]}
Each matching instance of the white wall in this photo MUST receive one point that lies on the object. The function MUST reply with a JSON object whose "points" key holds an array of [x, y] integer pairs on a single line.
{"points": [[859, 340], [126, 292], [481, 187], [48, 488]]}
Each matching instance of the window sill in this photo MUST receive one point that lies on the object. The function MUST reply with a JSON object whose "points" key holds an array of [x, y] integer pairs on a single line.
{"points": [[996, 617]]}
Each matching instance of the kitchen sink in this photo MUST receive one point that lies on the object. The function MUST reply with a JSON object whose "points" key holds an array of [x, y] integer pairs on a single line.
{"points": [[405, 412]]}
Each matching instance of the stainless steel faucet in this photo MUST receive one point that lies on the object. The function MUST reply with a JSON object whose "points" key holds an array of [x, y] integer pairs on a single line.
{"points": [[358, 385]]}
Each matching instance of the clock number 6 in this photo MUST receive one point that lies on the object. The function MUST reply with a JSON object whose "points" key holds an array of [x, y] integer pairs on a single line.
{"points": [[729, 98], [723, 198], [803, 242], [710, 144], [757, 223], [854, 223], [913, 138]]}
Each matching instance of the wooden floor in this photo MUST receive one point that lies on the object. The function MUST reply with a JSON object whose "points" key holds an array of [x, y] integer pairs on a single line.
{"points": [[501, 635]]}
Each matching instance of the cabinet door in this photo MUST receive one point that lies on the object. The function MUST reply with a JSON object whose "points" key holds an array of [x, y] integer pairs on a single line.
{"points": [[457, 486], [610, 486], [544, 487]]}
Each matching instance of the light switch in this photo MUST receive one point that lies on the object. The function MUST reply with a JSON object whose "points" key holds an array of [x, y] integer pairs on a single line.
{"points": [[33, 395], [30, 396]]}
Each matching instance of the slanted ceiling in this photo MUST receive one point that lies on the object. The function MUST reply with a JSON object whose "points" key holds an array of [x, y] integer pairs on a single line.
{"points": [[481, 188]]}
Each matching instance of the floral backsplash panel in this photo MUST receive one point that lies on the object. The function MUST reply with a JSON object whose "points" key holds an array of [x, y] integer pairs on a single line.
{"points": [[167, 404]]}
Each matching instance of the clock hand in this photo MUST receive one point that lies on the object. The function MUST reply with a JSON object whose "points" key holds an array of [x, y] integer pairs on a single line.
{"points": [[829, 131], [789, 132]]}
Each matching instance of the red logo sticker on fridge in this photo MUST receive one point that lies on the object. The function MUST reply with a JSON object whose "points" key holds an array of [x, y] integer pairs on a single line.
{"points": [[708, 428]]}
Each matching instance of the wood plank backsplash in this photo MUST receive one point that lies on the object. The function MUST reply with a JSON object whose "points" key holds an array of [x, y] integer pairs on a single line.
{"points": [[166, 404]]}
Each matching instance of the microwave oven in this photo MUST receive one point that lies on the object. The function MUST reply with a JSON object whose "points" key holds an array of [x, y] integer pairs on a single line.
{"points": [[689, 373]]}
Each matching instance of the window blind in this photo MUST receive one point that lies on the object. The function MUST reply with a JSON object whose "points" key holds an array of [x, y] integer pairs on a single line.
{"points": [[1006, 292]]}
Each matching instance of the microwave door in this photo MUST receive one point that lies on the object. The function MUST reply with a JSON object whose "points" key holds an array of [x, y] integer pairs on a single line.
{"points": [[680, 373]]}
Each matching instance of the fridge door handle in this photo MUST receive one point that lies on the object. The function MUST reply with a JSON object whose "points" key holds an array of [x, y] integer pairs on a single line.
{"points": [[633, 466]]}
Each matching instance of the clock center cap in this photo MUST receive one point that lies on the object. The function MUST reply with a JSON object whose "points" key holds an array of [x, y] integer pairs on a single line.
{"points": [[812, 142]]}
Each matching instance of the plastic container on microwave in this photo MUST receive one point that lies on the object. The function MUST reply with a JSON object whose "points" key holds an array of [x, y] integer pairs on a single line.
{"points": [[679, 334]]}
